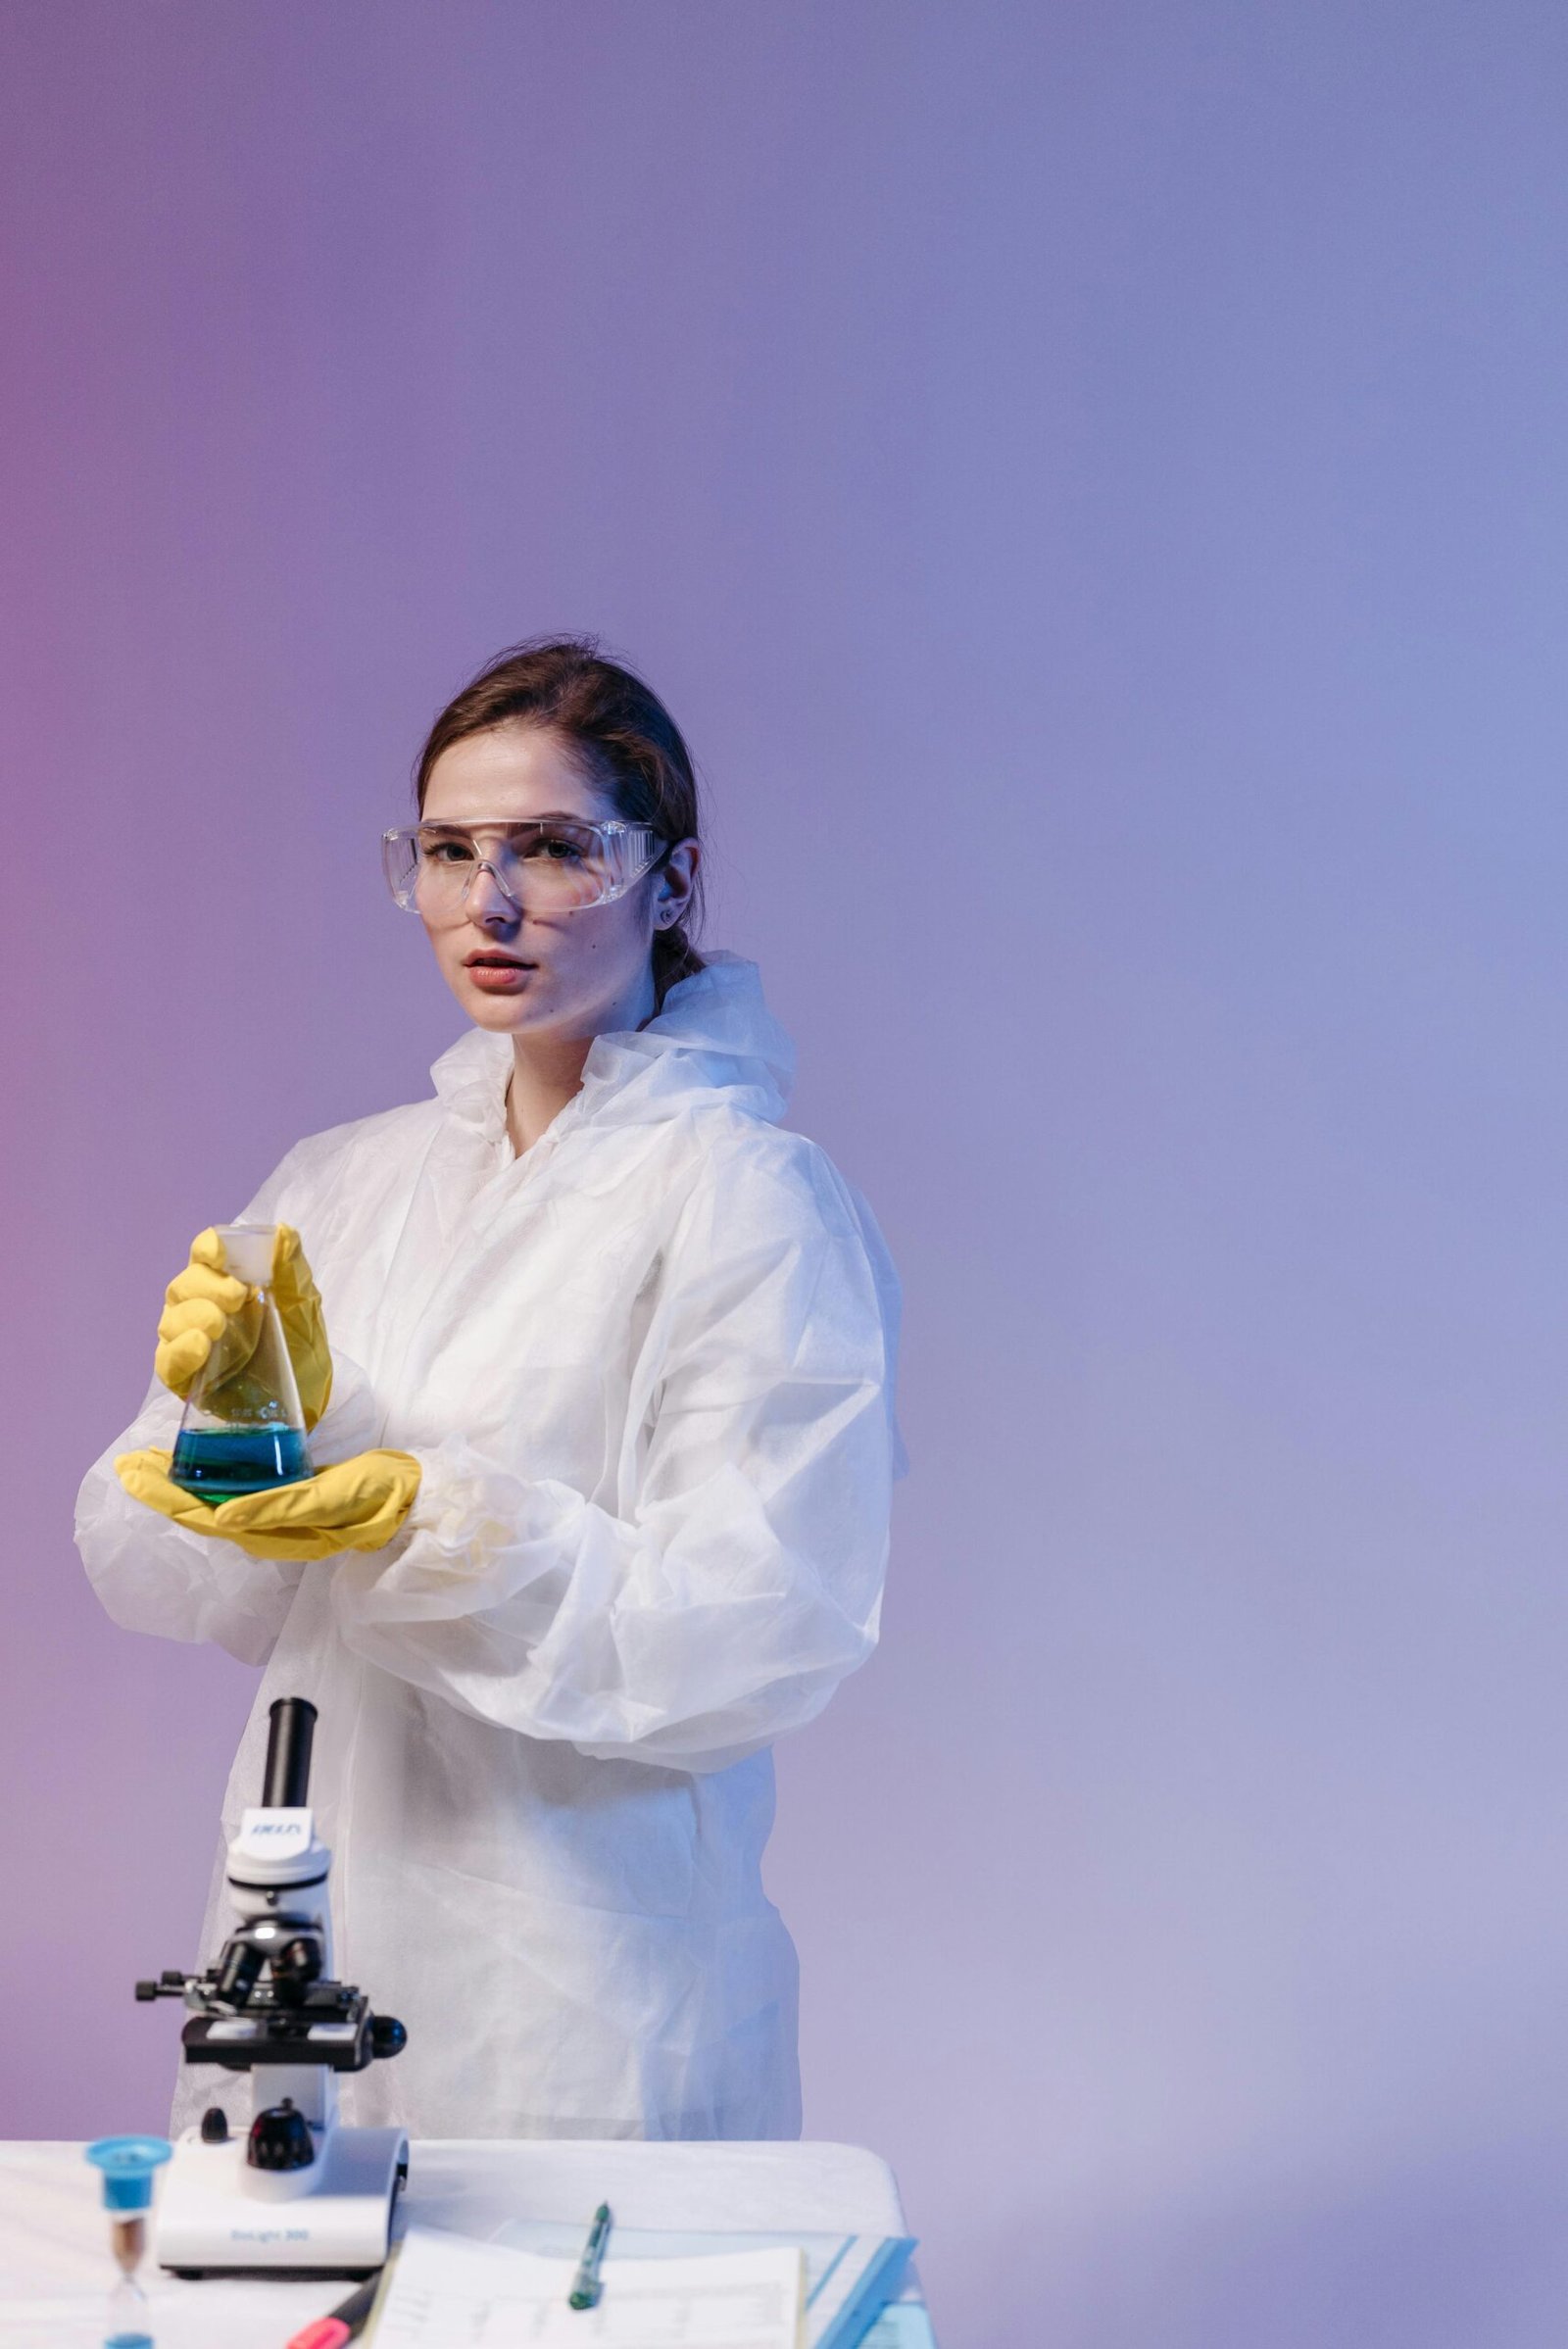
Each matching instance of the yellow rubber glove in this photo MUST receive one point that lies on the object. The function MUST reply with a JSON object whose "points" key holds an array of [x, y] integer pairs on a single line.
{"points": [[358, 1504], [208, 1311]]}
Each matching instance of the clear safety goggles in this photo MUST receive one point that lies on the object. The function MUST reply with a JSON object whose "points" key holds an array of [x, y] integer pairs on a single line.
{"points": [[554, 867]]}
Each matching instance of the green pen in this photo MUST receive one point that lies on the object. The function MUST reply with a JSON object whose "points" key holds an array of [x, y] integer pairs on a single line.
{"points": [[585, 2284]]}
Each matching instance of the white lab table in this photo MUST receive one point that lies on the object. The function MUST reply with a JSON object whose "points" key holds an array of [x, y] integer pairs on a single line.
{"points": [[55, 2269]]}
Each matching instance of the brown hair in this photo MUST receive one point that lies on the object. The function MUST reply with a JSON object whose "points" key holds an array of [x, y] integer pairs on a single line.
{"points": [[623, 738]]}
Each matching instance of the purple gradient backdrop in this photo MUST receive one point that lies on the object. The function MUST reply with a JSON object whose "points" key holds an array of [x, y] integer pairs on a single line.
{"points": [[1091, 479]]}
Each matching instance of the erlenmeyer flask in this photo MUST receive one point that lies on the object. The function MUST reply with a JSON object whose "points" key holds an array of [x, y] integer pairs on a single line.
{"points": [[243, 1429]]}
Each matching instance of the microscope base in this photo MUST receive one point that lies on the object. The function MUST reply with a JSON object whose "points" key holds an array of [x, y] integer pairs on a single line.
{"points": [[216, 2216]]}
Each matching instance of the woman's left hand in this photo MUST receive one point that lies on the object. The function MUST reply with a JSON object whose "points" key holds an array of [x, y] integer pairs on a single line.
{"points": [[207, 1307], [358, 1504]]}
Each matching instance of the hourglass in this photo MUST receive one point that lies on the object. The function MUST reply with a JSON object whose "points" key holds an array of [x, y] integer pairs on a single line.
{"points": [[127, 2166]]}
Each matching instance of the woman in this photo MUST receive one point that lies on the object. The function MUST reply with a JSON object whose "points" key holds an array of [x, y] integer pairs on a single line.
{"points": [[604, 1439]]}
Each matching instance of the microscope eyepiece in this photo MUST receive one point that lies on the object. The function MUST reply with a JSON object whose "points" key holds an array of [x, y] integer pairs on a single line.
{"points": [[287, 1782]]}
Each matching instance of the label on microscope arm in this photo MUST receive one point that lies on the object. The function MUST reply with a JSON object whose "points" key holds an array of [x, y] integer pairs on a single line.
{"points": [[277, 1847], [274, 1832]]}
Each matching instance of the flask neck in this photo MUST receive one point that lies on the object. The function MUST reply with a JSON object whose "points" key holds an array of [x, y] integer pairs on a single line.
{"points": [[248, 1252]]}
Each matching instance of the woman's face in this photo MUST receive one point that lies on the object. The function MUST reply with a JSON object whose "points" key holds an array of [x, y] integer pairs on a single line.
{"points": [[546, 974]]}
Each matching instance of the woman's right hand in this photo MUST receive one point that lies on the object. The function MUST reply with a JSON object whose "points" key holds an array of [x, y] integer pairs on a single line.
{"points": [[208, 1311]]}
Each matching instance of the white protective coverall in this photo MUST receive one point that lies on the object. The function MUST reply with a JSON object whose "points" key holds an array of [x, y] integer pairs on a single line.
{"points": [[648, 1371]]}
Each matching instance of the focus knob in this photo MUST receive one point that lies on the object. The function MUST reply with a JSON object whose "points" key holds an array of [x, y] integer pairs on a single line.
{"points": [[281, 2139], [387, 2035]]}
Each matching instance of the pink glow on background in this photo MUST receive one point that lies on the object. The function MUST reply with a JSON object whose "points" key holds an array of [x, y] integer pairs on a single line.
{"points": [[1091, 481]]}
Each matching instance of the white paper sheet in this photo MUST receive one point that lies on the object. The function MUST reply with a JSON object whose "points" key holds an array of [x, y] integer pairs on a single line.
{"points": [[844, 2274], [448, 2293]]}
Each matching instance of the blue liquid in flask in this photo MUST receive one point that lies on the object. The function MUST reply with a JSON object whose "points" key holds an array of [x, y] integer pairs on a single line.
{"points": [[222, 1463]]}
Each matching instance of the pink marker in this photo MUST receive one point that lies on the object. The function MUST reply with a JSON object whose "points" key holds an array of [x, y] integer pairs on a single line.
{"points": [[343, 2325]]}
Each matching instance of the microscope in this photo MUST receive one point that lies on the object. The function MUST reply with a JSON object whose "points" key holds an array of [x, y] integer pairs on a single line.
{"points": [[299, 2194]]}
